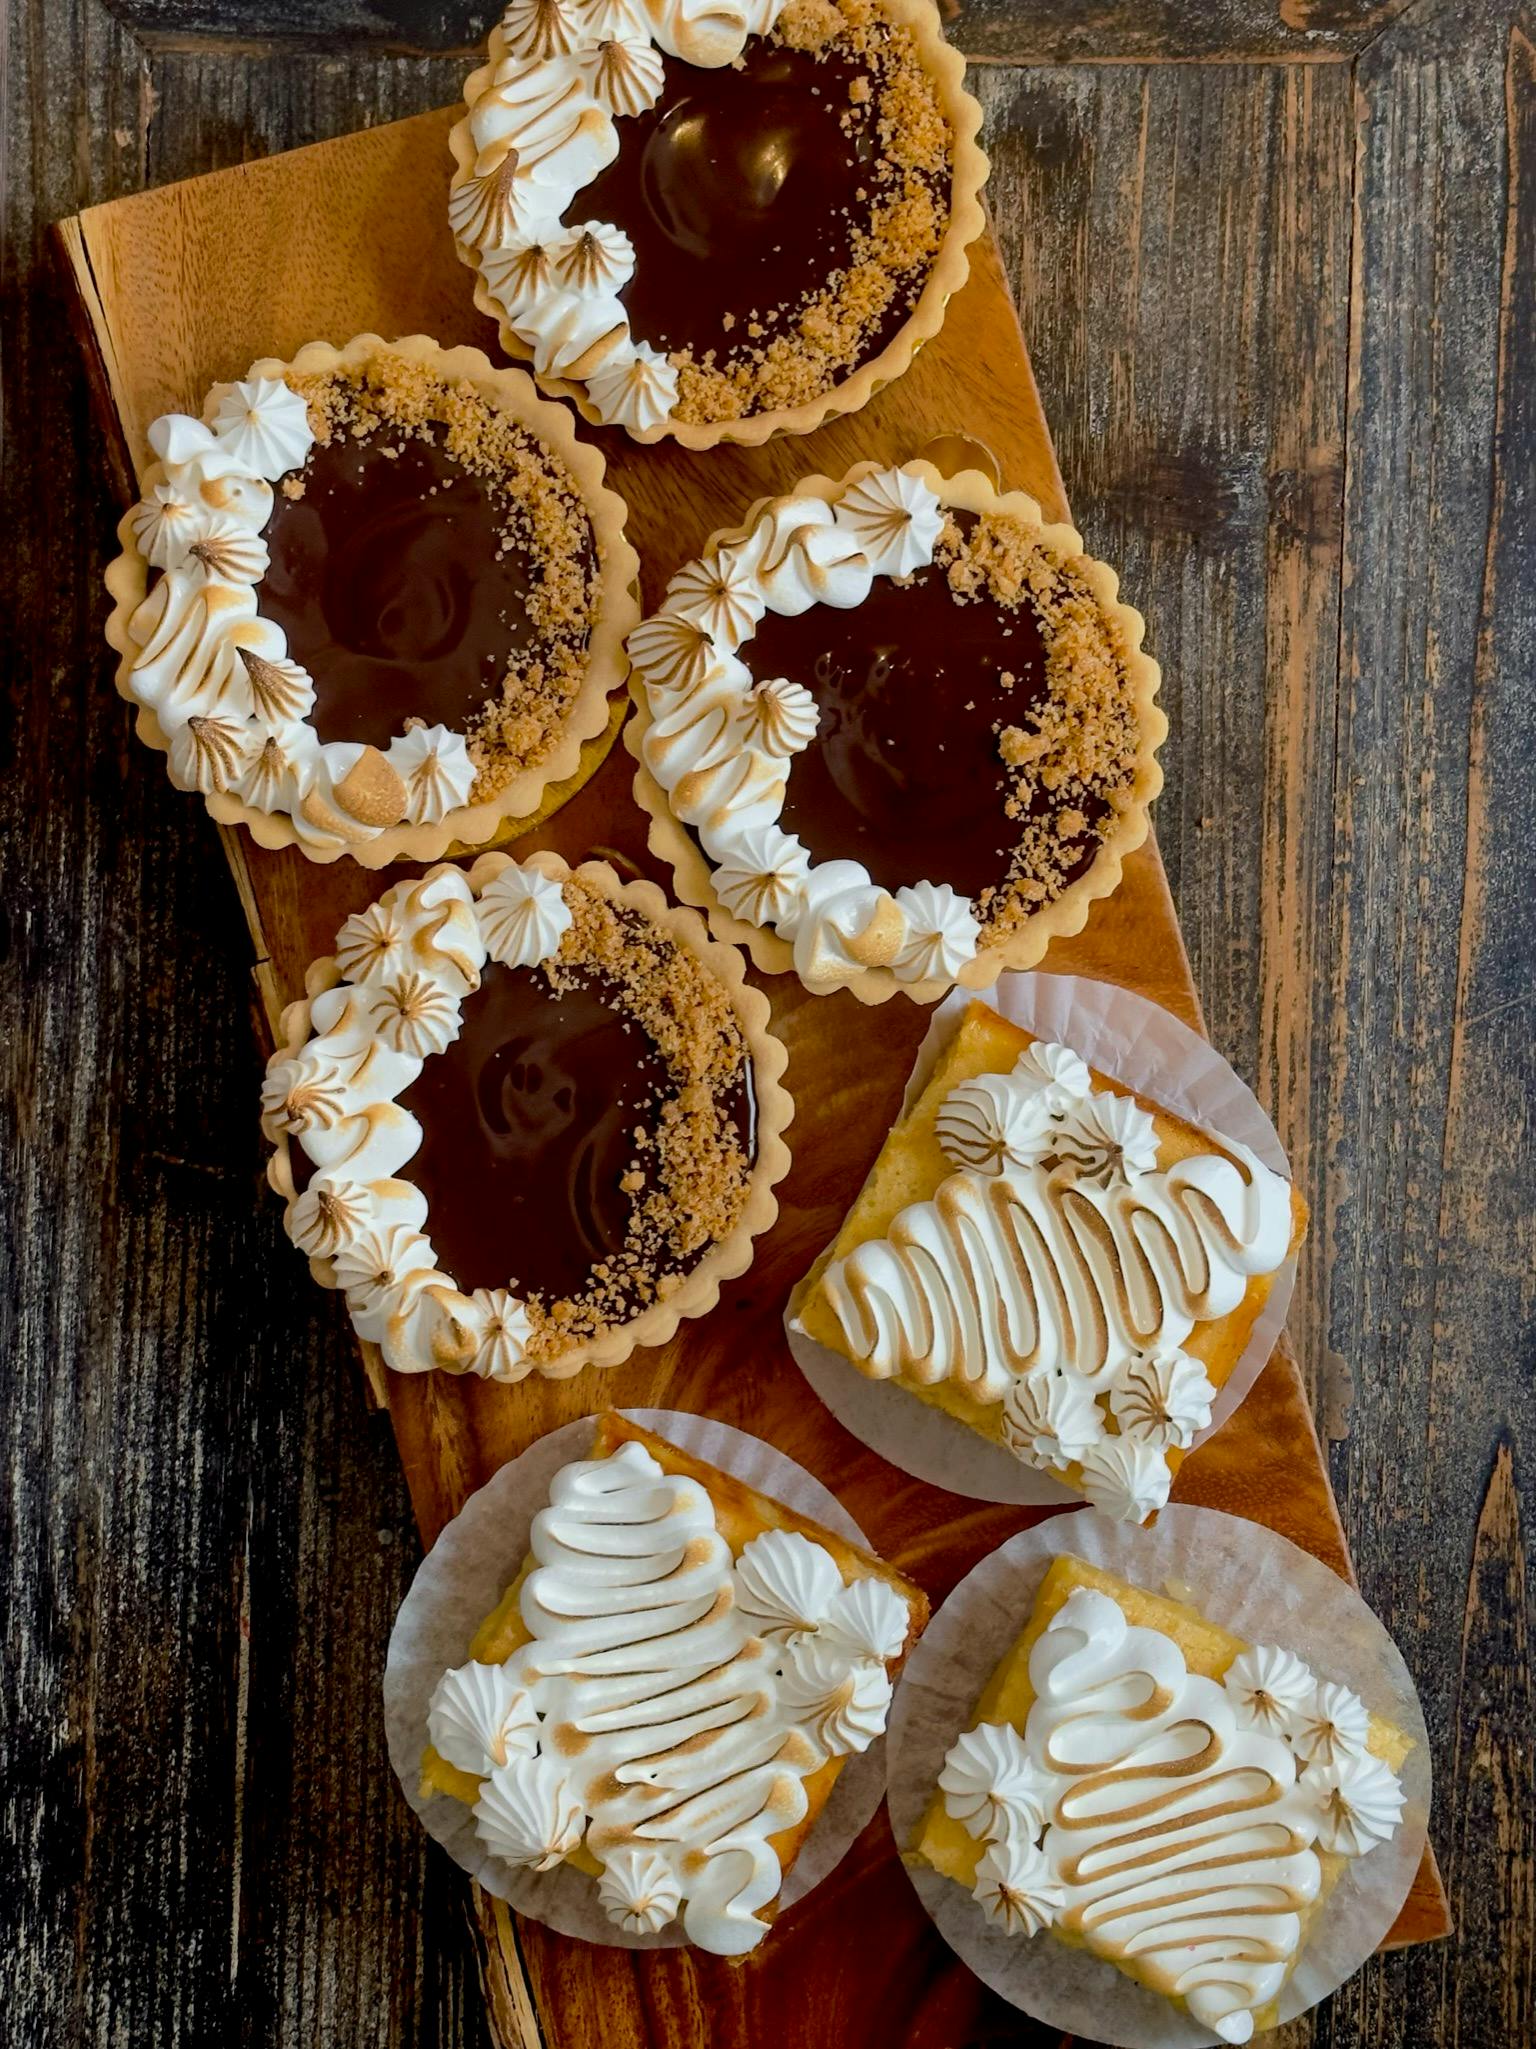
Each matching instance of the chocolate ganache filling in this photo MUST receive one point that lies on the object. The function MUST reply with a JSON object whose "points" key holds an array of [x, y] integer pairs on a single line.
{"points": [[740, 190], [904, 774], [396, 586], [529, 1120]]}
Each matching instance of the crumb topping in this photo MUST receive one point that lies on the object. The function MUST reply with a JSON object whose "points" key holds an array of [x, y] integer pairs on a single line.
{"points": [[792, 355], [542, 517], [1071, 754], [692, 1162]]}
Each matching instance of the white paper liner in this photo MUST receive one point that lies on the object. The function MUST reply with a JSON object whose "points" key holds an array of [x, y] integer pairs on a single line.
{"points": [[464, 1576], [1245, 1578], [1142, 1046]]}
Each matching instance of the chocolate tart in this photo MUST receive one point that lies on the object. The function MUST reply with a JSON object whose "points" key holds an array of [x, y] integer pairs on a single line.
{"points": [[895, 732], [526, 1117], [375, 601], [717, 223]]}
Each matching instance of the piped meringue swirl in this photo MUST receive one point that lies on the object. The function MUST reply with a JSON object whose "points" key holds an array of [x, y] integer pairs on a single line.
{"points": [[542, 126], [243, 586], [404, 966]]}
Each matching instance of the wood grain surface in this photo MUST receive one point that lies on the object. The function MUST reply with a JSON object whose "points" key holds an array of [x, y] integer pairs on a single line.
{"points": [[205, 1546], [306, 225]]}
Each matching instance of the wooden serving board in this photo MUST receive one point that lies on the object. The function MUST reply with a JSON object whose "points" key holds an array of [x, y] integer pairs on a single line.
{"points": [[182, 286]]}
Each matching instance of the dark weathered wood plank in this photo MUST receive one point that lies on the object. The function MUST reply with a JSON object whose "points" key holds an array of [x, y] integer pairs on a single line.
{"points": [[1046, 31], [1181, 244], [204, 1537], [212, 110], [1168, 31], [1346, 827], [386, 25], [1431, 1001]]}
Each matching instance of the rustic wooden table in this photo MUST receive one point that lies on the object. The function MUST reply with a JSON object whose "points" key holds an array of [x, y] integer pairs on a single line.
{"points": [[1276, 261]]}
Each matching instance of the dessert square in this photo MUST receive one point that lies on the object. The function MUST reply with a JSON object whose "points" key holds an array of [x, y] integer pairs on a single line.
{"points": [[669, 1688], [1148, 1786], [1066, 1267]]}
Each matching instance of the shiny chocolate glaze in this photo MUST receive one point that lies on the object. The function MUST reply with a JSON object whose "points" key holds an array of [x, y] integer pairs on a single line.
{"points": [[528, 1120], [904, 774], [738, 191], [386, 581]]}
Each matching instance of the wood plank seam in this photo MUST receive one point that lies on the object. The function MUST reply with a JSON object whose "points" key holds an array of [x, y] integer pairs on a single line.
{"points": [[257, 49], [1258, 60]]}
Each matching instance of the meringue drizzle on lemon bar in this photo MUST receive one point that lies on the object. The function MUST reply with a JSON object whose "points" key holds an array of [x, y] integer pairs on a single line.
{"points": [[1146, 1786], [691, 1667], [1077, 1273]]}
